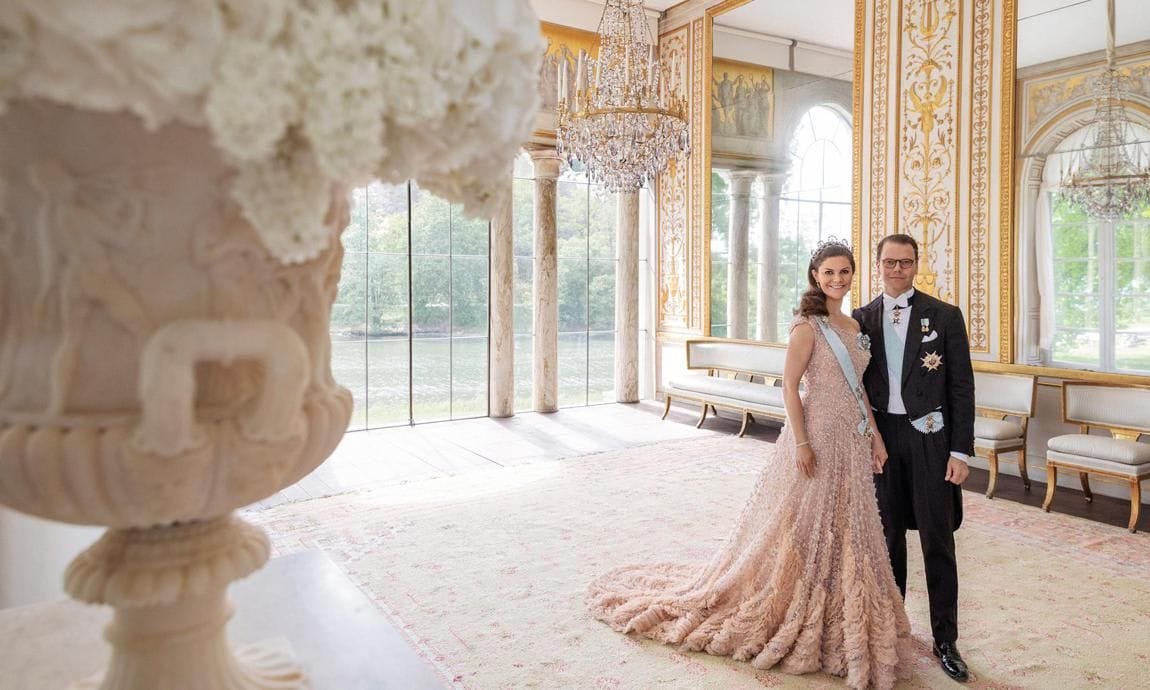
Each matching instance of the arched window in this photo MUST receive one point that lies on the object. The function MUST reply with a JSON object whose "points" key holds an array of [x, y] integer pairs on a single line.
{"points": [[816, 198], [1097, 277]]}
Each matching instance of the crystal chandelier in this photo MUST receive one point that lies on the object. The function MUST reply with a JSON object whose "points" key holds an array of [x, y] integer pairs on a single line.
{"points": [[1108, 177], [621, 119]]}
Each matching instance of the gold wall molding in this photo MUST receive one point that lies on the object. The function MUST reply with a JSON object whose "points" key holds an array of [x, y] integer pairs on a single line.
{"points": [[859, 76], [879, 148], [698, 234], [672, 213], [978, 245], [943, 88]]}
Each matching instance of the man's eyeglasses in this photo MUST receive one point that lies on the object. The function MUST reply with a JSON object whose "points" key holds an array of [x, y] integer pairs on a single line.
{"points": [[902, 263]]}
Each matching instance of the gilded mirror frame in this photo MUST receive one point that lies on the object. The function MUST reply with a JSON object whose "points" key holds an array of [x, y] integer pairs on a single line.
{"points": [[704, 148]]}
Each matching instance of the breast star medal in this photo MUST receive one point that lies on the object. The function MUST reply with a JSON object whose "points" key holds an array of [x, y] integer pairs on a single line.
{"points": [[931, 361]]}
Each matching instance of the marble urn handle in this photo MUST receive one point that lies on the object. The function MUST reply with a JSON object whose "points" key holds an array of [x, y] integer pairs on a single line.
{"points": [[168, 425]]}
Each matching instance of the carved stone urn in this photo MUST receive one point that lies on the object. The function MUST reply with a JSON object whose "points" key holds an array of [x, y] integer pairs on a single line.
{"points": [[158, 369]]}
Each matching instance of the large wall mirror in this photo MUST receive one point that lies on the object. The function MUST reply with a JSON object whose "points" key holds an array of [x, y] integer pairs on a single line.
{"points": [[781, 151], [1083, 279]]}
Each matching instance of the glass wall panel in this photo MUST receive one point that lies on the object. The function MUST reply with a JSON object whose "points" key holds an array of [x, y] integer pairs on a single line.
{"points": [[411, 318], [388, 381], [572, 369], [523, 221]]}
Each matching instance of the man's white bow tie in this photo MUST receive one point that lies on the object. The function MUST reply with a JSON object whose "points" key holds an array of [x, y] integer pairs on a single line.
{"points": [[892, 303]]}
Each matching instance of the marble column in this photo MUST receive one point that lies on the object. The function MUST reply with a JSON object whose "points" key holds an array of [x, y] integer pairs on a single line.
{"points": [[627, 297], [740, 214], [545, 276], [501, 374], [768, 307]]}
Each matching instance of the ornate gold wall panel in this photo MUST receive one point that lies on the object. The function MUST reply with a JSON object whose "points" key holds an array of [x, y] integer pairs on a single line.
{"points": [[674, 245], [946, 179]]}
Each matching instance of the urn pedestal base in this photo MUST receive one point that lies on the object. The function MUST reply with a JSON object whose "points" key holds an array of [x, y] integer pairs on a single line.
{"points": [[168, 588]]}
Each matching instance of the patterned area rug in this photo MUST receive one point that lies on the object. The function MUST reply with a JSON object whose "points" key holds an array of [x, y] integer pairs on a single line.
{"points": [[485, 572]]}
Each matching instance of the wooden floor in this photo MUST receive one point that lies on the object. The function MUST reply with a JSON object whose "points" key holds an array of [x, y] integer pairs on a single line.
{"points": [[397, 455]]}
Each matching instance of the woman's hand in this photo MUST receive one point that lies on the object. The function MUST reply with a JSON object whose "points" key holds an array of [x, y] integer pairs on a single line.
{"points": [[806, 459], [878, 453]]}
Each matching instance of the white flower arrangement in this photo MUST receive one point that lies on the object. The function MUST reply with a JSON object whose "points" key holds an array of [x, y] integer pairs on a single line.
{"points": [[299, 94]]}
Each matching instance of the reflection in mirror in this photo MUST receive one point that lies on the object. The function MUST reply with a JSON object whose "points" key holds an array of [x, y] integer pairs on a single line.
{"points": [[1084, 270], [781, 154]]}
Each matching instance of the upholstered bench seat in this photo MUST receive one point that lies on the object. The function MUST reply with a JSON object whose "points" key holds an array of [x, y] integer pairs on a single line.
{"points": [[988, 429], [740, 375], [1113, 450], [747, 391], [1082, 461]]}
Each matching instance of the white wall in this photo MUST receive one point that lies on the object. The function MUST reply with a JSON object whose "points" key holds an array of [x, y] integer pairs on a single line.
{"points": [[782, 53], [34, 554]]}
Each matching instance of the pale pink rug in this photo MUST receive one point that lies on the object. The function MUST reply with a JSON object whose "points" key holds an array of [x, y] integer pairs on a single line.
{"points": [[486, 572]]}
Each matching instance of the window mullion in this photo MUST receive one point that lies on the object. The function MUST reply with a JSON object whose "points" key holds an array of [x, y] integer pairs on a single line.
{"points": [[1107, 276]]}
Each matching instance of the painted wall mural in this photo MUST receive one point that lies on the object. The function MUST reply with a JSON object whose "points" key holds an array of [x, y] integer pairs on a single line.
{"points": [[563, 45], [742, 100]]}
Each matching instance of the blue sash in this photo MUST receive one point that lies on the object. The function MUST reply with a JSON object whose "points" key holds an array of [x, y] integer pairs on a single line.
{"points": [[848, 368]]}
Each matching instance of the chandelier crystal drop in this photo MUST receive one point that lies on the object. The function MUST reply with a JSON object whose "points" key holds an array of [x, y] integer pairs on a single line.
{"points": [[619, 113], [1108, 176]]}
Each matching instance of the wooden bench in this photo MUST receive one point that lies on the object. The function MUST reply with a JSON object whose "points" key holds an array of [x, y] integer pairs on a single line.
{"points": [[1124, 411], [997, 397], [738, 375]]}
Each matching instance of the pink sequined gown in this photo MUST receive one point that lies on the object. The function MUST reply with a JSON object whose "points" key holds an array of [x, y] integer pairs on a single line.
{"points": [[804, 581]]}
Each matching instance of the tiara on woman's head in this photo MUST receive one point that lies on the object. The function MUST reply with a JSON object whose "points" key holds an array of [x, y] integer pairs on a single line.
{"points": [[830, 242]]}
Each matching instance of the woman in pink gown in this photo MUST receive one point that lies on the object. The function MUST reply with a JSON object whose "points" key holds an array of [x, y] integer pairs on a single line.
{"points": [[804, 582]]}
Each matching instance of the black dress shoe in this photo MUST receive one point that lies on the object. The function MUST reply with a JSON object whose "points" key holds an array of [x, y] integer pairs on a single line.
{"points": [[951, 661]]}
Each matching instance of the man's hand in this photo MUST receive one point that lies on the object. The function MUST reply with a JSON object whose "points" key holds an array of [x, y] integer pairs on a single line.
{"points": [[956, 471]]}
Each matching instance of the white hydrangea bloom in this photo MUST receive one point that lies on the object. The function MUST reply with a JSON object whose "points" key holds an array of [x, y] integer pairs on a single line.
{"points": [[299, 95]]}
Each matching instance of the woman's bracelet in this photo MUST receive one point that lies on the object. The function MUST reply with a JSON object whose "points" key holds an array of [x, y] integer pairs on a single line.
{"points": [[804, 443]]}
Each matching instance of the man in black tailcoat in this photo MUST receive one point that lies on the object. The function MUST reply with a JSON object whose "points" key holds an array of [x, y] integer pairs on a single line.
{"points": [[921, 385]]}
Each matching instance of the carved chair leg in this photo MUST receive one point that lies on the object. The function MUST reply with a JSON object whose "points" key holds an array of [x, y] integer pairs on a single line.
{"points": [[992, 457], [1135, 504], [1085, 479], [1051, 482], [746, 422], [703, 417], [1022, 468], [666, 408]]}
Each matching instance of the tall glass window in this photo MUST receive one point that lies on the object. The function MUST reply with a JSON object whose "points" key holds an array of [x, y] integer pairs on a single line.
{"points": [[1101, 289], [410, 324], [586, 261], [816, 199]]}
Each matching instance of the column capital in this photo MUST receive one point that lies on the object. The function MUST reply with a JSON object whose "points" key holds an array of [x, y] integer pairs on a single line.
{"points": [[773, 182], [741, 181], [546, 161]]}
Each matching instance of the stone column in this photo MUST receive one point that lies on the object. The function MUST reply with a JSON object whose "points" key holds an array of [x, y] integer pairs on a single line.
{"points": [[768, 307], [501, 374], [545, 277], [740, 193], [627, 298]]}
